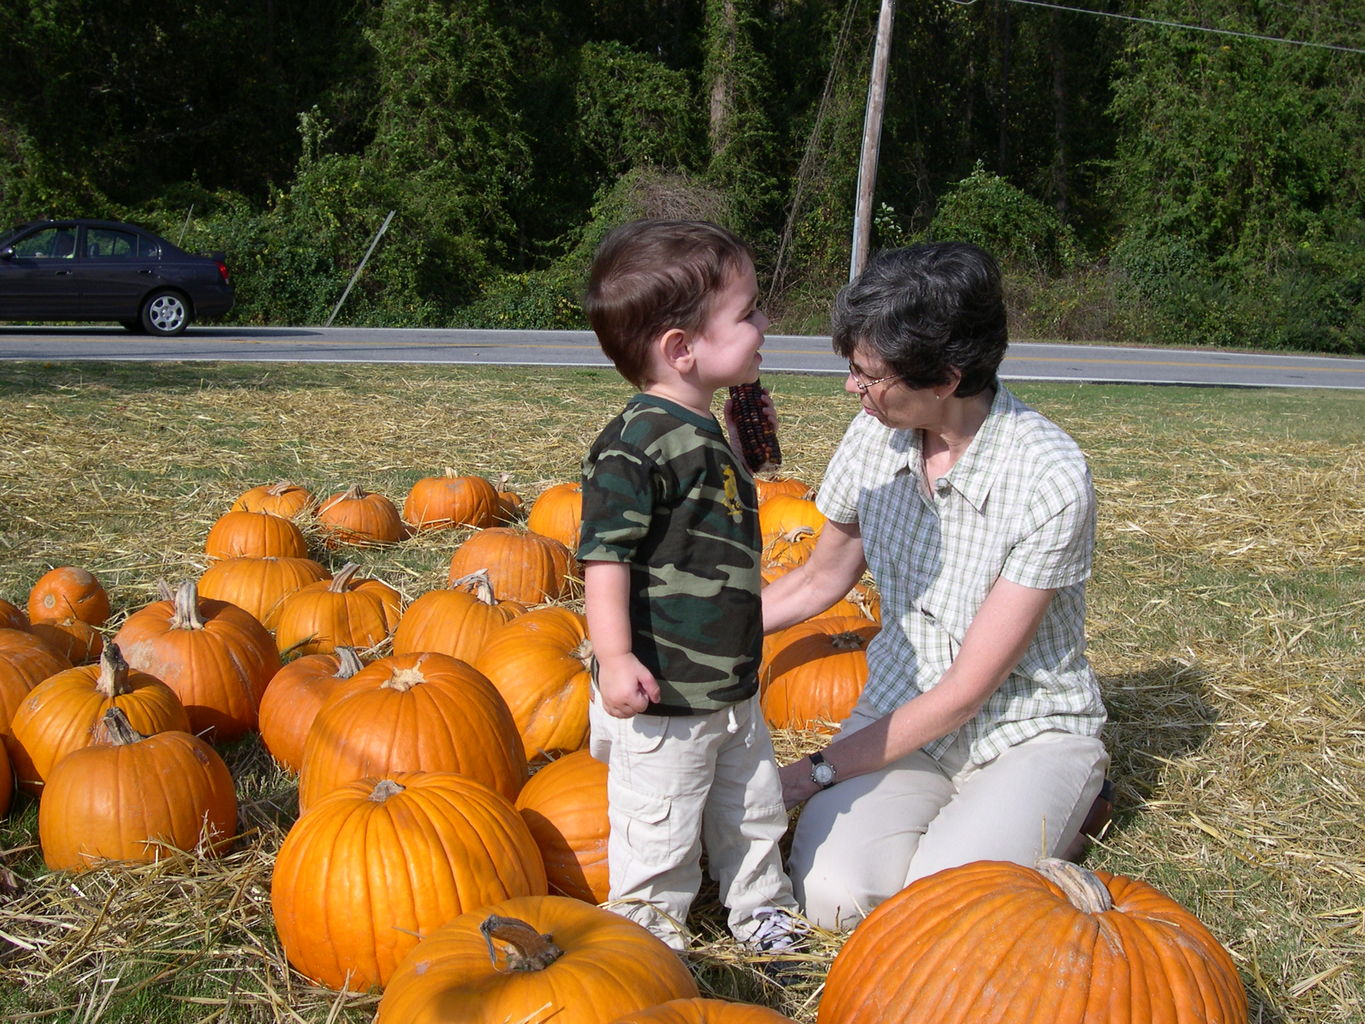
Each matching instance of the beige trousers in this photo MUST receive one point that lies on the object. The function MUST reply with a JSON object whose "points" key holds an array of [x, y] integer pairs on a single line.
{"points": [[676, 785], [866, 838]]}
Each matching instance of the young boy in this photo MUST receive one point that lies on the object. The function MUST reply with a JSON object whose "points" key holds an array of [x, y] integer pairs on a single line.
{"points": [[670, 546]]}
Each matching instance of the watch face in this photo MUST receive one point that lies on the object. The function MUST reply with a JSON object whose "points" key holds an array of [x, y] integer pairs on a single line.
{"points": [[823, 774]]}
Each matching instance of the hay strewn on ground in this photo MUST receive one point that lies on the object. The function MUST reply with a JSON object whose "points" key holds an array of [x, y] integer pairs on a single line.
{"points": [[1226, 622]]}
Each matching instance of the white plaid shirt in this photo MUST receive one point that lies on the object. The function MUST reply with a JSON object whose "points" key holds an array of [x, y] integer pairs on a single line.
{"points": [[1019, 503]]}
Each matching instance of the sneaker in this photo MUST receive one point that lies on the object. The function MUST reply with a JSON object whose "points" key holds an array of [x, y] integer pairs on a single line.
{"points": [[776, 938]]}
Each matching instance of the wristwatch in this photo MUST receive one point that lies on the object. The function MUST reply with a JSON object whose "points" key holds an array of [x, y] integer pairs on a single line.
{"points": [[822, 773]]}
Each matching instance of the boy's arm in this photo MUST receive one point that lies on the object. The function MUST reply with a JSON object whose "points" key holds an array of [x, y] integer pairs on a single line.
{"points": [[624, 684]]}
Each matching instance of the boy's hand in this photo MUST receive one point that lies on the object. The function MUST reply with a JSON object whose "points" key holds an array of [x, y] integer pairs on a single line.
{"points": [[625, 686]]}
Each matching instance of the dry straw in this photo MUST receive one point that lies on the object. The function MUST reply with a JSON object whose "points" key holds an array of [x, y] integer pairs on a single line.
{"points": [[1226, 619]]}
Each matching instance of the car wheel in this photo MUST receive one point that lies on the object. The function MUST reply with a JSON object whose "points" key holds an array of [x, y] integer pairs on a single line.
{"points": [[134, 326], [165, 313]]}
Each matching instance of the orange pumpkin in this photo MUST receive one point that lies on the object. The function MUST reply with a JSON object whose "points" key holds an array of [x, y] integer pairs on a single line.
{"points": [[135, 798], [521, 565], [790, 548], [377, 864], [814, 678], [68, 592], [565, 806], [772, 486], [25, 661], [509, 502], [412, 712], [862, 601], [345, 611], [457, 621], [254, 535], [66, 712], [997, 941], [258, 585], [541, 663], [534, 958], [558, 512], [79, 641], [782, 514], [360, 517], [294, 697], [12, 616], [443, 502], [216, 657], [281, 498], [704, 1011]]}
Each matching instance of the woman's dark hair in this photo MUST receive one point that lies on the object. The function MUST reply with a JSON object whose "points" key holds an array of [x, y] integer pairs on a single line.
{"points": [[650, 276], [928, 310]]}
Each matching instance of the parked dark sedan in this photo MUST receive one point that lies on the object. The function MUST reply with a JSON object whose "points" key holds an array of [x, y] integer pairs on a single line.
{"points": [[108, 270]]}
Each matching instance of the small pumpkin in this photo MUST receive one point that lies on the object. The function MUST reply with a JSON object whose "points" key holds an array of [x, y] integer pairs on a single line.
{"points": [[704, 1011], [541, 663], [258, 585], [522, 565], [510, 505], [813, 678], [534, 958], [295, 695], [254, 535], [25, 661], [12, 616], [215, 656], [412, 712], [456, 621], [65, 712], [281, 498], [135, 799], [769, 486], [451, 500], [558, 512], [378, 863], [68, 592], [345, 611], [992, 940], [565, 806], [360, 517], [79, 641]]}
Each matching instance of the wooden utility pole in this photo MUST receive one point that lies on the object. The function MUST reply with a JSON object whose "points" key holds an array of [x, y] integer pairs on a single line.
{"points": [[872, 138]]}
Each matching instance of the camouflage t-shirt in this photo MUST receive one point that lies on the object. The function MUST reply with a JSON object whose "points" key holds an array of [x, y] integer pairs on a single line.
{"points": [[663, 492]]}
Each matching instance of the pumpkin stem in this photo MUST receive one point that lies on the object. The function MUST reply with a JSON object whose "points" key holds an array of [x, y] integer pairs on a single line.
{"points": [[350, 663], [478, 583], [165, 591], [404, 679], [279, 487], [186, 600], [113, 680], [530, 950], [120, 730], [847, 642], [341, 582], [583, 652], [1081, 887], [385, 789]]}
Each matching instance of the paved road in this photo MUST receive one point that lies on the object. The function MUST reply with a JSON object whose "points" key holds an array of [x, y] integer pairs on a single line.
{"points": [[806, 354]]}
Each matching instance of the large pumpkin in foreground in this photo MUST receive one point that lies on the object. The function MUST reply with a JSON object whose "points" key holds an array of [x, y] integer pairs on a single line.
{"points": [[546, 958], [379, 863], [997, 941]]}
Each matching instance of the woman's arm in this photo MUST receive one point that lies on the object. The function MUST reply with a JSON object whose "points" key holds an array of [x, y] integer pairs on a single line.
{"points": [[625, 685], [834, 566], [997, 638]]}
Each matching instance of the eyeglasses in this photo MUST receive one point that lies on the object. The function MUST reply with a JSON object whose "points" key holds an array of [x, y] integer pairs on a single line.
{"points": [[863, 385]]}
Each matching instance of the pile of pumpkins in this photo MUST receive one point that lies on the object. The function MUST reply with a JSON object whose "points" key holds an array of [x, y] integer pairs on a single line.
{"points": [[450, 846]]}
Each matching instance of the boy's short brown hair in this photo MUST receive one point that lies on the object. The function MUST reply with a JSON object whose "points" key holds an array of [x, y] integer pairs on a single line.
{"points": [[651, 276]]}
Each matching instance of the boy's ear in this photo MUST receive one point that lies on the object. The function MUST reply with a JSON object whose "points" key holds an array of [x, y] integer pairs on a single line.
{"points": [[675, 348]]}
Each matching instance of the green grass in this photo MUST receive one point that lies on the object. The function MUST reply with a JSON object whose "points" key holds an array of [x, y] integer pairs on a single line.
{"points": [[1226, 615]]}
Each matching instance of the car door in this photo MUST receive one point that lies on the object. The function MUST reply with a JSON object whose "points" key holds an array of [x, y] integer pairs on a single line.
{"points": [[118, 268], [39, 281]]}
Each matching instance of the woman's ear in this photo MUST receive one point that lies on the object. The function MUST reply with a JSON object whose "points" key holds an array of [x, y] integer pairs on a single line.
{"points": [[949, 389]]}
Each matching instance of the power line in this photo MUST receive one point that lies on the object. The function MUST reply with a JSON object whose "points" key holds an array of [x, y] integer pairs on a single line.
{"points": [[1177, 24]]}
